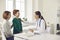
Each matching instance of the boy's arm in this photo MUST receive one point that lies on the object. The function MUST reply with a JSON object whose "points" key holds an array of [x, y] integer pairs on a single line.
{"points": [[21, 20]]}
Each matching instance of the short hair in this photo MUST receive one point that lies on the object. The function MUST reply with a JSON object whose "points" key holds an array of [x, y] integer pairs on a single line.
{"points": [[5, 14], [15, 11]]}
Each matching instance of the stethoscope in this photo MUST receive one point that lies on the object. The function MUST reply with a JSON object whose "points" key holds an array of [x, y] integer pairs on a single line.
{"points": [[39, 22]]}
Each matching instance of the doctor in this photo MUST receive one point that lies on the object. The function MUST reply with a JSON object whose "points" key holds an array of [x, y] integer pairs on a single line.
{"points": [[40, 23]]}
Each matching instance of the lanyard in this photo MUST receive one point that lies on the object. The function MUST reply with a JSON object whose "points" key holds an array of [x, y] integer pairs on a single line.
{"points": [[39, 23]]}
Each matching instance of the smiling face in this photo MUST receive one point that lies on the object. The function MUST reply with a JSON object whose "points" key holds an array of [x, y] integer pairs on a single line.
{"points": [[17, 14], [9, 16], [36, 16], [6, 15]]}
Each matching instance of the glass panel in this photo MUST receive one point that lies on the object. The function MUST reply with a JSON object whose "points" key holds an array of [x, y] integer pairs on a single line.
{"points": [[9, 5], [20, 5]]}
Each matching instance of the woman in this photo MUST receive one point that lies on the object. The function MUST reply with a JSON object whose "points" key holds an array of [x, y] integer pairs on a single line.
{"points": [[7, 27], [40, 22]]}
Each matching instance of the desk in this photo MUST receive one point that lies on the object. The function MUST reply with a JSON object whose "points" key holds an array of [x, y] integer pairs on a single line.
{"points": [[26, 36], [38, 37]]}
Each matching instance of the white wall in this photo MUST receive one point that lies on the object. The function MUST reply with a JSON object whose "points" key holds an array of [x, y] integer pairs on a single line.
{"points": [[29, 10], [37, 5], [50, 11], [40, 5], [2, 8]]}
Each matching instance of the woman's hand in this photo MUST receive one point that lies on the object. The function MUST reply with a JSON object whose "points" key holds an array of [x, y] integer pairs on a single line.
{"points": [[31, 30]]}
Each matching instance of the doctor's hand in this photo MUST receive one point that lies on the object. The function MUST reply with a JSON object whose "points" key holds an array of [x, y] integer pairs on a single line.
{"points": [[31, 30]]}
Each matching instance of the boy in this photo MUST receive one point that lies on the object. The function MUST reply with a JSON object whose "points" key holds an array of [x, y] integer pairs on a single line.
{"points": [[17, 22]]}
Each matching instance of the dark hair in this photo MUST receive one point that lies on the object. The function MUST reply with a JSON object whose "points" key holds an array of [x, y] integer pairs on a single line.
{"points": [[45, 22], [5, 14], [40, 16], [15, 11], [38, 13]]}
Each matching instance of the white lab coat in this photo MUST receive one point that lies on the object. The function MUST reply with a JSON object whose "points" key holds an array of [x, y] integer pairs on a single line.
{"points": [[40, 26]]}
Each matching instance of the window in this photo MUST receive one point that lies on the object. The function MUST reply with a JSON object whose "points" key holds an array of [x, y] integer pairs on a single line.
{"points": [[9, 5], [19, 4]]}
